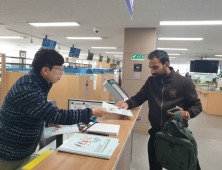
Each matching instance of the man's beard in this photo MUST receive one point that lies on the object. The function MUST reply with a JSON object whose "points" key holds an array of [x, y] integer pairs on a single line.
{"points": [[161, 75]]}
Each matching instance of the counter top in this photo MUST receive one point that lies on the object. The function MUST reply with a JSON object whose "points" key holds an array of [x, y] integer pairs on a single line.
{"points": [[210, 89]]}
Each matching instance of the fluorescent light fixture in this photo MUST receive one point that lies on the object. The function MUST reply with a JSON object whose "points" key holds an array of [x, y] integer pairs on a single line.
{"points": [[11, 37], [55, 24], [104, 47], [84, 38], [212, 58], [114, 52], [218, 55], [118, 56], [173, 54], [181, 39], [171, 57], [219, 22], [172, 49], [7, 45]]}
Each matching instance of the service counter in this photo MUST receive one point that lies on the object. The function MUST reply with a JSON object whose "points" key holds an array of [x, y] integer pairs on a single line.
{"points": [[211, 99], [120, 160]]}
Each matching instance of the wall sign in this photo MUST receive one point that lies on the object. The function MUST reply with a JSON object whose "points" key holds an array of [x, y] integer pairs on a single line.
{"points": [[138, 57]]}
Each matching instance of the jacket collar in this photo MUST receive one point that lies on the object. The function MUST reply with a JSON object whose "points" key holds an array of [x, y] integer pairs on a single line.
{"points": [[168, 77], [43, 84]]}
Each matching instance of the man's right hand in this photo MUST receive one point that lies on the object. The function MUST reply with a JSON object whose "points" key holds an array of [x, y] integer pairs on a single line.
{"points": [[124, 106], [99, 112]]}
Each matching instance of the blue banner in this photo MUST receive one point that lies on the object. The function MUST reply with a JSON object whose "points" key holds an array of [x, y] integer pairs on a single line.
{"points": [[130, 7], [46, 43]]}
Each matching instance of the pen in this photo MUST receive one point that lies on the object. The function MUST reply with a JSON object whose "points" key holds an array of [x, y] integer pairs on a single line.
{"points": [[97, 133]]}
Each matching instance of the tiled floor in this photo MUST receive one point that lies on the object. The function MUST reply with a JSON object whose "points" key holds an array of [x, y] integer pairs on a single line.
{"points": [[207, 130]]}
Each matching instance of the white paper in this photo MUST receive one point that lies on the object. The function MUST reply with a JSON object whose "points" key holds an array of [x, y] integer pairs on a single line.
{"points": [[114, 109], [52, 131], [94, 81]]}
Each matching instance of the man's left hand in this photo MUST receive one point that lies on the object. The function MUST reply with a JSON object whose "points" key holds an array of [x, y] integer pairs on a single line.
{"points": [[53, 125], [183, 113]]}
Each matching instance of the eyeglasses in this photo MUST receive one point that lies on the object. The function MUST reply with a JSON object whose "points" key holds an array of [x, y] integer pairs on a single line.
{"points": [[59, 69]]}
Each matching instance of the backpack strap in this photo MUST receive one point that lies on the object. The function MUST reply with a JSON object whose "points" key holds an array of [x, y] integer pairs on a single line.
{"points": [[177, 115]]}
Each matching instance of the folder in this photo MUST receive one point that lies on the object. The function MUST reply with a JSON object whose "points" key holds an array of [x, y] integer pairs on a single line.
{"points": [[37, 160]]}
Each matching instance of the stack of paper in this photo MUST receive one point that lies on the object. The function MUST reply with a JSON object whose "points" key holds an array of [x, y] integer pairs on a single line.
{"points": [[103, 128], [52, 131], [114, 109], [90, 145]]}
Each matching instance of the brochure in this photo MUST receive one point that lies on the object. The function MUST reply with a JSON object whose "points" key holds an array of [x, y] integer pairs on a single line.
{"points": [[90, 145], [52, 131], [114, 109]]}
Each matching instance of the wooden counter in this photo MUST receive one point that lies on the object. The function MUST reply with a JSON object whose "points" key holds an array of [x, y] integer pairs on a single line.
{"points": [[120, 159], [211, 101]]}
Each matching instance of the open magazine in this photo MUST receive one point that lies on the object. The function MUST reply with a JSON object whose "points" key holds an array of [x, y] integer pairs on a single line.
{"points": [[52, 131], [114, 109], [90, 145]]}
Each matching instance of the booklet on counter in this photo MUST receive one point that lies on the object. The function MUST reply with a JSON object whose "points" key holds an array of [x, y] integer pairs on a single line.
{"points": [[52, 131], [114, 109], [102, 128], [90, 145]]}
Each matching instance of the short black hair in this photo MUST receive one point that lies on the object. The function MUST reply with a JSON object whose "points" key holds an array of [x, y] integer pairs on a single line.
{"points": [[161, 55], [47, 58]]}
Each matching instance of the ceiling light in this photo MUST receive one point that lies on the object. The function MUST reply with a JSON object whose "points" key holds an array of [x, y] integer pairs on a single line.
{"points": [[171, 57], [172, 54], [118, 56], [115, 52], [219, 22], [55, 24], [182, 39], [104, 47], [172, 49], [11, 37], [7, 45], [84, 38], [212, 58], [218, 55]]}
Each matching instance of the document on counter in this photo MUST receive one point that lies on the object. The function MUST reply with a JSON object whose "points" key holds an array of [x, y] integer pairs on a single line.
{"points": [[52, 131], [90, 145], [114, 109]]}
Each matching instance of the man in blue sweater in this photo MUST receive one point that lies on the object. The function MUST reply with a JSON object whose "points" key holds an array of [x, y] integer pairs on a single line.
{"points": [[25, 109]]}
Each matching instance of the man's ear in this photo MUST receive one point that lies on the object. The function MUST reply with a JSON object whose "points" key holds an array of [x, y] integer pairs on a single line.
{"points": [[45, 70], [167, 63]]}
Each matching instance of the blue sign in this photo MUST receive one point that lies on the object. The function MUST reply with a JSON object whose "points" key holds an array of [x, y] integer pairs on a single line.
{"points": [[130, 7], [46, 43], [74, 52]]}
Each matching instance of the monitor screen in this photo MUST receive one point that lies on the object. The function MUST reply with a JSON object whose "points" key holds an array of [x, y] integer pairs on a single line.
{"points": [[118, 62], [90, 56], [108, 60], [114, 61], [46, 43], [100, 58], [77, 52], [192, 66], [206, 66]]}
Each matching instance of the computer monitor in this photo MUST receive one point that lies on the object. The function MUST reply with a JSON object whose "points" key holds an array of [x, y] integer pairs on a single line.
{"points": [[100, 58], [90, 56], [77, 52], [114, 61], [50, 44], [108, 60], [118, 62]]}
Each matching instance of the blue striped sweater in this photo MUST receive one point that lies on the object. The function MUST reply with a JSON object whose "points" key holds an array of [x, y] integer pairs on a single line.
{"points": [[23, 114]]}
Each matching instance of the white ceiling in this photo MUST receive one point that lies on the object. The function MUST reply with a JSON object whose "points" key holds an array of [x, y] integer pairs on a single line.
{"points": [[111, 17]]}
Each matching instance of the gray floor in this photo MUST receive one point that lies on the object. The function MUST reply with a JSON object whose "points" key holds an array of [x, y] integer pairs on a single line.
{"points": [[207, 130]]}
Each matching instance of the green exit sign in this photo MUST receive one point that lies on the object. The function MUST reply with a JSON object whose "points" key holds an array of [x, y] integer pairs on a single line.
{"points": [[138, 57]]}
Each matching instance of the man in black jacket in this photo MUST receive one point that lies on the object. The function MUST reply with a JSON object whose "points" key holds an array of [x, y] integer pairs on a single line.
{"points": [[164, 90]]}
